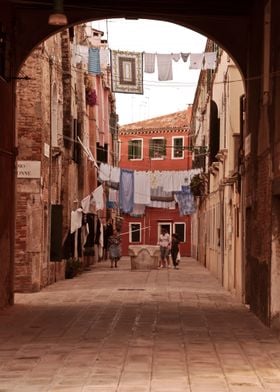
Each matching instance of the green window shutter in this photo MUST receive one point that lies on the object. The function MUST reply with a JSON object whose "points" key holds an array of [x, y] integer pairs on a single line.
{"points": [[138, 149], [151, 148], [163, 148], [130, 150]]}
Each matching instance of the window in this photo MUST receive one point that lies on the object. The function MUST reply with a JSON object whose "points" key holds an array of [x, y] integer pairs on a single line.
{"points": [[177, 147], [76, 132], [102, 153], [134, 232], [157, 148], [180, 230], [119, 149], [135, 149]]}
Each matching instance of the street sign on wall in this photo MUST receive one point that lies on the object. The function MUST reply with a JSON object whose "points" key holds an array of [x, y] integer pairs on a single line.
{"points": [[28, 169]]}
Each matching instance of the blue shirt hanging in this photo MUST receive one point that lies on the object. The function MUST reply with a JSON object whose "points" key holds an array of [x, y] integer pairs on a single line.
{"points": [[126, 191], [94, 61]]}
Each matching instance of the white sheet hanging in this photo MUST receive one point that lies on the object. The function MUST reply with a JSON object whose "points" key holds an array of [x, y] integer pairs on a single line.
{"points": [[142, 188]]}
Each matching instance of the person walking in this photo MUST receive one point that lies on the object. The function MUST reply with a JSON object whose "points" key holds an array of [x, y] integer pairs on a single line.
{"points": [[114, 243], [164, 247], [175, 250], [108, 231]]}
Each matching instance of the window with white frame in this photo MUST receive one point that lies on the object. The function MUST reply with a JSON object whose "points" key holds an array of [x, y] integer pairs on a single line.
{"points": [[177, 147], [157, 148], [118, 149], [134, 232], [179, 228], [135, 149]]}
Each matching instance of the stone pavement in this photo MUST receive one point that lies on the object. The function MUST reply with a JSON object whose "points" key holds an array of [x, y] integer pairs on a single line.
{"points": [[117, 330]]}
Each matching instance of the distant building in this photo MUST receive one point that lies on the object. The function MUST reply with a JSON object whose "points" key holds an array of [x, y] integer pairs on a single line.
{"points": [[158, 144]]}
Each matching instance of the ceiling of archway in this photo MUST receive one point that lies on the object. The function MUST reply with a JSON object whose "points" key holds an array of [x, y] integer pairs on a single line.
{"points": [[191, 7], [224, 21]]}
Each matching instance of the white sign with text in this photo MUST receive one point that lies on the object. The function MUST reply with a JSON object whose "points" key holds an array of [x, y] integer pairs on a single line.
{"points": [[28, 169]]}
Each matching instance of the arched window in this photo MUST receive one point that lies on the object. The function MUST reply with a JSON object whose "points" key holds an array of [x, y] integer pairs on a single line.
{"points": [[214, 142]]}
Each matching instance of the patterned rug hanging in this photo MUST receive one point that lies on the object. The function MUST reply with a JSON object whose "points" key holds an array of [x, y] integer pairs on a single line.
{"points": [[127, 72]]}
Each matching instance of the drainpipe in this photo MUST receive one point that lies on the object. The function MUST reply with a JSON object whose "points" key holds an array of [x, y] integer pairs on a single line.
{"points": [[48, 253], [241, 181], [266, 123], [222, 234], [266, 53]]}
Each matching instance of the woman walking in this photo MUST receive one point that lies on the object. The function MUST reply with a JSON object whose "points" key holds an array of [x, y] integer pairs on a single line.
{"points": [[114, 243], [175, 250]]}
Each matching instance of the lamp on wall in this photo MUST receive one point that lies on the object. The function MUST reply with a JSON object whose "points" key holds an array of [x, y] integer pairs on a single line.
{"points": [[57, 17]]}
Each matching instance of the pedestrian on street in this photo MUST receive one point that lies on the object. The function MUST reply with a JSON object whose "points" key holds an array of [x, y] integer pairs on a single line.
{"points": [[114, 243], [175, 250], [164, 247], [108, 231]]}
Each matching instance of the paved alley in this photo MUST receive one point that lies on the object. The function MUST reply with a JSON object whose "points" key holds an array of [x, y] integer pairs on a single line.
{"points": [[117, 330]]}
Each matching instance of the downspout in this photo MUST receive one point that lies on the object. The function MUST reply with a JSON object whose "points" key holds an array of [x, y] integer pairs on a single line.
{"points": [[48, 253], [221, 186], [265, 123], [222, 234], [242, 119]]}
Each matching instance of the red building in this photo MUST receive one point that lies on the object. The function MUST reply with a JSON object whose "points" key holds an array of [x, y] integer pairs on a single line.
{"points": [[158, 144]]}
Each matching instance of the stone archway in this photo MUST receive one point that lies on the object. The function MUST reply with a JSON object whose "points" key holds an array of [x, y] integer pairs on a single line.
{"points": [[236, 25]]}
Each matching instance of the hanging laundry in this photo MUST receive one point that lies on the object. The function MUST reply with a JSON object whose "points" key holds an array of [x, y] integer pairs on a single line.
{"points": [[113, 195], [97, 231], [101, 241], [169, 177], [176, 56], [170, 205], [104, 57], [81, 54], [115, 174], [196, 60], [210, 59], [142, 188], [76, 220], [164, 62], [138, 210], [113, 199], [127, 72], [98, 197], [85, 203], [94, 61], [149, 62], [89, 220], [104, 172], [126, 192], [68, 247], [185, 201], [153, 179], [185, 56]]}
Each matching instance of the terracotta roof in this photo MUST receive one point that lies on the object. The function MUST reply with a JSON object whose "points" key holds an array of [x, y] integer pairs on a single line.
{"points": [[173, 121]]}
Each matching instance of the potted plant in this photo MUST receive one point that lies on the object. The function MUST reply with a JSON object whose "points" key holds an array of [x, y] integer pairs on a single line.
{"points": [[197, 185]]}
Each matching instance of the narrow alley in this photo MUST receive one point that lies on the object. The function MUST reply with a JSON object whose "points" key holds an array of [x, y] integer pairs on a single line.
{"points": [[120, 331]]}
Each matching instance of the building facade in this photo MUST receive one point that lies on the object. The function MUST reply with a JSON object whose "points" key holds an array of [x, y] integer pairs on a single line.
{"points": [[64, 113], [158, 145], [217, 126]]}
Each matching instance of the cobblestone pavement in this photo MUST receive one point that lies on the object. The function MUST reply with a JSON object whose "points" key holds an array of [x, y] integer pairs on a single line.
{"points": [[117, 330]]}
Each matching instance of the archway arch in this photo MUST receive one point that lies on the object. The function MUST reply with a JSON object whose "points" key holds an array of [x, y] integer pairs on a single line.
{"points": [[214, 20]]}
